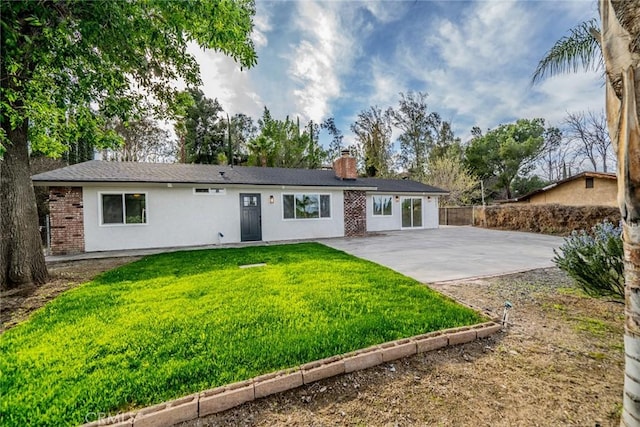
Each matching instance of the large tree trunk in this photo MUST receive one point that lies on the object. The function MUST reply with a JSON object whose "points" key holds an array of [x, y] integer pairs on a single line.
{"points": [[21, 257], [622, 64]]}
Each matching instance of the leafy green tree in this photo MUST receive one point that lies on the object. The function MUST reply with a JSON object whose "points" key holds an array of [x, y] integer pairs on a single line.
{"points": [[291, 145], [73, 64], [262, 149], [314, 155], [266, 148], [450, 173], [523, 185], [282, 143], [241, 130], [506, 152], [205, 130], [446, 143], [372, 129], [419, 132]]}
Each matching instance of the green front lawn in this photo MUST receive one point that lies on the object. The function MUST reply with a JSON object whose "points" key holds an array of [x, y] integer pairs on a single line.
{"points": [[174, 324]]}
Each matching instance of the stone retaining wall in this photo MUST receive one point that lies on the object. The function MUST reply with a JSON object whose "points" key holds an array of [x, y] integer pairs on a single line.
{"points": [[229, 396]]}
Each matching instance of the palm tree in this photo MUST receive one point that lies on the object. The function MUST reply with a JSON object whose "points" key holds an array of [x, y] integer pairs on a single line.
{"points": [[579, 49], [262, 148], [619, 43]]}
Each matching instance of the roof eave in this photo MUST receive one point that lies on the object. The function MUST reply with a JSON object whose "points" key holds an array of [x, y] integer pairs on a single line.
{"points": [[84, 183]]}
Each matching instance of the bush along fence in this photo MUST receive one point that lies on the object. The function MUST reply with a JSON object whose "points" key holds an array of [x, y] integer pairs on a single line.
{"points": [[222, 398], [550, 219]]}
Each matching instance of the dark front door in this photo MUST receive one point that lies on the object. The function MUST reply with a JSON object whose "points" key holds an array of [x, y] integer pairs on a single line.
{"points": [[250, 217]]}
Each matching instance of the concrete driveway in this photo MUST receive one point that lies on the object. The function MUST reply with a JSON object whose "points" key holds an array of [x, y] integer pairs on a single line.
{"points": [[452, 253]]}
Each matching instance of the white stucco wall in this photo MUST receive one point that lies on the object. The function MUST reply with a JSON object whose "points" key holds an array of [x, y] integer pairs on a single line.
{"points": [[394, 221], [178, 217], [274, 227]]}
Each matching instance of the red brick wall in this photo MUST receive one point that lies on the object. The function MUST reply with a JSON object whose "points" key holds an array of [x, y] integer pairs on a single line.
{"points": [[355, 213], [345, 167], [67, 220]]}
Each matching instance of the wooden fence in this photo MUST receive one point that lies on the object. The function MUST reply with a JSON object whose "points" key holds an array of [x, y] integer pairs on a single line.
{"points": [[458, 215]]}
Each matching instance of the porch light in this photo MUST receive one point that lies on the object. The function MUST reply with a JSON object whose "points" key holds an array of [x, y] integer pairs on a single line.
{"points": [[397, 199], [272, 199]]}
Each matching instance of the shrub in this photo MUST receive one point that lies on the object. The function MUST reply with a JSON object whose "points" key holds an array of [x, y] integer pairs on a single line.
{"points": [[595, 260]]}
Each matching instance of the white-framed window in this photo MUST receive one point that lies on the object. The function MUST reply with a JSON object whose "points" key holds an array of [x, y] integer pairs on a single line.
{"points": [[382, 205], [209, 191], [123, 208], [306, 206]]}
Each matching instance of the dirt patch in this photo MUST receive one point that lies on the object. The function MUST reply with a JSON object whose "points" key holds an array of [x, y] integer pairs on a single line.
{"points": [[560, 363], [16, 306]]}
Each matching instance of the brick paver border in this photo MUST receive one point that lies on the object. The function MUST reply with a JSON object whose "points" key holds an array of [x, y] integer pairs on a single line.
{"points": [[229, 396]]}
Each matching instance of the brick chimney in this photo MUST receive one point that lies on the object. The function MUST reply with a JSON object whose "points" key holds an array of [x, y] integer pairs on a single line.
{"points": [[345, 166]]}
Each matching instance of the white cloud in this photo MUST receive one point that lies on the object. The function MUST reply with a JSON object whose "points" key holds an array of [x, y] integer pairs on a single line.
{"points": [[223, 79], [477, 69], [490, 33], [567, 93], [384, 12], [261, 26], [386, 85], [322, 55], [319, 58]]}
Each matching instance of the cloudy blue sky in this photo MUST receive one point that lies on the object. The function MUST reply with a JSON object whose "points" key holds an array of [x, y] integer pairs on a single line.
{"points": [[319, 59]]}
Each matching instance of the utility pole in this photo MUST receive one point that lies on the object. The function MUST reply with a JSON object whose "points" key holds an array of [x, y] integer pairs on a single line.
{"points": [[229, 144]]}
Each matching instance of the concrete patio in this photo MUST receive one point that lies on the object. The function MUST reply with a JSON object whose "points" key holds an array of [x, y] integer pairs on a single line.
{"points": [[453, 253], [434, 255]]}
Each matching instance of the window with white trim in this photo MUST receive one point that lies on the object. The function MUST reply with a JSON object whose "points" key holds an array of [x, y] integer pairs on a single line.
{"points": [[382, 205], [306, 206], [124, 208]]}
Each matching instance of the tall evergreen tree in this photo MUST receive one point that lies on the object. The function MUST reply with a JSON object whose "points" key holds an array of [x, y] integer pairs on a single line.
{"points": [[205, 129]]}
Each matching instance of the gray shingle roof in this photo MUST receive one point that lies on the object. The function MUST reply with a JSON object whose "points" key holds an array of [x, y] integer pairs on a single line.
{"points": [[401, 186], [128, 172]]}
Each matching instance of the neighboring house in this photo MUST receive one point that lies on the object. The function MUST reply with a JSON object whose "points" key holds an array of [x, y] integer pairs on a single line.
{"points": [[101, 206], [585, 189]]}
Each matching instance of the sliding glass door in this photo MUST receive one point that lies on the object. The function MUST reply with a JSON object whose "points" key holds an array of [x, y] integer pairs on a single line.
{"points": [[411, 213]]}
